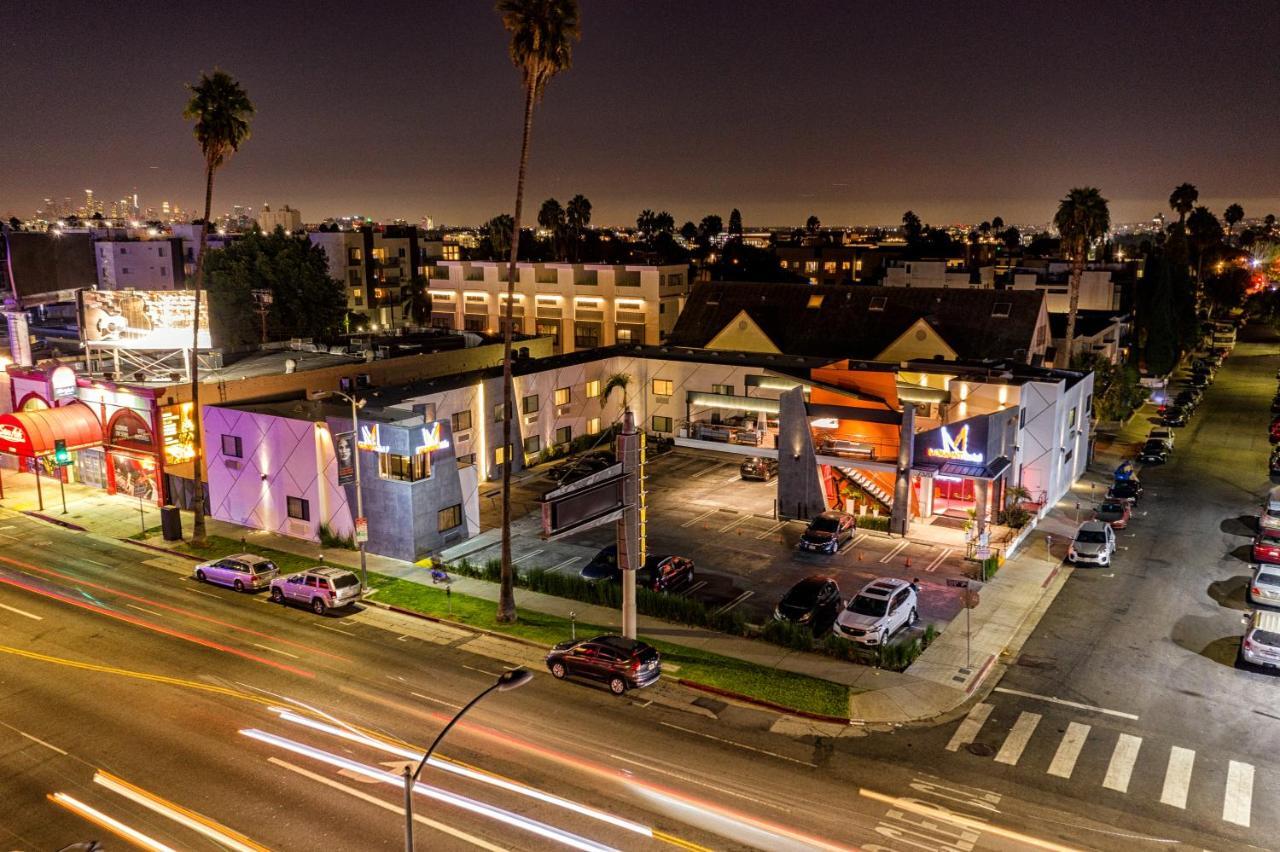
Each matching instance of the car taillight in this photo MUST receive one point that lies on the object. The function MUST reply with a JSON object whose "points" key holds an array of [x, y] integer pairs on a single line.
{"points": [[636, 664], [1248, 644]]}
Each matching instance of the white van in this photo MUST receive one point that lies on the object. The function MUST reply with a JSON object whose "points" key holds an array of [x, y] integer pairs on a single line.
{"points": [[1270, 517]]}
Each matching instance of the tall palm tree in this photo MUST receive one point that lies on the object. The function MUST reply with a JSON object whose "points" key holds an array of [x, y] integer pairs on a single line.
{"points": [[222, 112], [1083, 218], [1183, 200], [1233, 215], [577, 213], [551, 217], [542, 36]]}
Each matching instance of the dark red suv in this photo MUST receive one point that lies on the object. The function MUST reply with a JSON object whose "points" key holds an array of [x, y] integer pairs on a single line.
{"points": [[618, 661]]}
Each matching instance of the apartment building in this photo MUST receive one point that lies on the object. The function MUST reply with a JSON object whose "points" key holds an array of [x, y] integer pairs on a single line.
{"points": [[582, 306], [286, 217], [825, 264], [1099, 288], [133, 264], [377, 268], [953, 273]]}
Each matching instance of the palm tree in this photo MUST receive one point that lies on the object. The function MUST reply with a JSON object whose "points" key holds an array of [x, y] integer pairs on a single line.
{"points": [[1233, 215], [1183, 200], [542, 36], [1204, 232], [551, 217], [618, 381], [221, 111], [644, 223], [578, 213], [1082, 218], [812, 224]]}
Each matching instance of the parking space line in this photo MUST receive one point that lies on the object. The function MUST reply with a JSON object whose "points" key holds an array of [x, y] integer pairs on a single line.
{"points": [[942, 557], [731, 604], [691, 589], [898, 548], [703, 473], [529, 555], [773, 529], [698, 518], [735, 522], [566, 563]]}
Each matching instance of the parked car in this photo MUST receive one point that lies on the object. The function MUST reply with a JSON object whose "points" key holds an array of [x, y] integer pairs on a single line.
{"points": [[1154, 452], [241, 571], [846, 449], [1264, 587], [620, 662], [757, 469], [1266, 546], [809, 600], [1260, 645], [1199, 380], [1274, 463], [322, 589], [603, 566], [879, 611], [1274, 432], [1129, 490], [827, 532], [1094, 544], [1161, 433], [1113, 512], [1174, 415], [659, 573], [1270, 515]]}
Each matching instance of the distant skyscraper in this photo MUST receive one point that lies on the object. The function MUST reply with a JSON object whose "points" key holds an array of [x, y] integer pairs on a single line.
{"points": [[87, 210]]}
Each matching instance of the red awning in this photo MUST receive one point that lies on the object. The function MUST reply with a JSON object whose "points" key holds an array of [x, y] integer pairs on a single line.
{"points": [[32, 433]]}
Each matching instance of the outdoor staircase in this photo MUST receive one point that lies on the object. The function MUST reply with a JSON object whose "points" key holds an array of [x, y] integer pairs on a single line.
{"points": [[869, 485]]}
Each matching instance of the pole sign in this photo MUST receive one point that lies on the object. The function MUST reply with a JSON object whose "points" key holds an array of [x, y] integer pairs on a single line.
{"points": [[344, 448], [362, 530]]}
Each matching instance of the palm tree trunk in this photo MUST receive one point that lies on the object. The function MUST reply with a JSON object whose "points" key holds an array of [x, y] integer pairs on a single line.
{"points": [[506, 595], [1077, 270], [197, 460]]}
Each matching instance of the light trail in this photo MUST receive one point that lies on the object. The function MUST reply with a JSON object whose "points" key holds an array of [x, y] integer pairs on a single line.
{"points": [[27, 566], [196, 822], [507, 817], [917, 807], [111, 824]]}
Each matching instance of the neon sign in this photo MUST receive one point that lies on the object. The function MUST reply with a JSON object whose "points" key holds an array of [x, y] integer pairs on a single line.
{"points": [[369, 440], [955, 449], [431, 439]]}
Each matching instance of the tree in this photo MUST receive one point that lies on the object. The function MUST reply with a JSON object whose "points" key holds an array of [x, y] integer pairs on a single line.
{"points": [[688, 232], [15, 223], [551, 217], [618, 381], [1233, 215], [985, 229], [542, 36], [221, 111], [1083, 218], [1270, 221], [997, 224], [663, 223], [710, 228], [735, 225], [912, 228], [578, 213], [498, 231], [1204, 232], [1012, 237], [644, 223], [812, 224], [1183, 200]]}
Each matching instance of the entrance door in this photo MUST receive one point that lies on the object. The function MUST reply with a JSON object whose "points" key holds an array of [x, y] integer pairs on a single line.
{"points": [[952, 496]]}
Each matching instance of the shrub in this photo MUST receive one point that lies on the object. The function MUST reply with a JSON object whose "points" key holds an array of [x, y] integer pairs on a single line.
{"points": [[329, 538], [879, 523], [788, 634]]}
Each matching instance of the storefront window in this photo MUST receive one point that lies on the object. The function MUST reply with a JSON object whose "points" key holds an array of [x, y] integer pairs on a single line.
{"points": [[404, 468]]}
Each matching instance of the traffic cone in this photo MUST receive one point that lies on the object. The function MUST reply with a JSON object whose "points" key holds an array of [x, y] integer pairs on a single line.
{"points": [[908, 561]]}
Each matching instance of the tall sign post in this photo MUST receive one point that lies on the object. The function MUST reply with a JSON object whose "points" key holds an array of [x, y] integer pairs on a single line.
{"points": [[61, 458], [631, 553]]}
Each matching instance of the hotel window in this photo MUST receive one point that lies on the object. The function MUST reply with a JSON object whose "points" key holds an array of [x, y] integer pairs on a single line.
{"points": [[299, 509], [586, 335], [593, 389], [663, 387], [549, 329], [474, 323], [625, 335], [450, 518], [498, 411], [231, 446], [593, 426], [530, 404], [661, 424], [1071, 419], [357, 298], [404, 468], [532, 445], [564, 434], [562, 396], [811, 266], [500, 455], [461, 421], [468, 460], [723, 390]]}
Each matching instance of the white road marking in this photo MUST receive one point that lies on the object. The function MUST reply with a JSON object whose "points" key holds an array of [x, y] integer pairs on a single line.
{"points": [[1122, 761], [144, 609], [1064, 760], [942, 557], [275, 650], [529, 555], [695, 519], [740, 745], [651, 768], [482, 671], [34, 739], [1017, 739], [702, 473], [734, 478], [17, 611], [1239, 799], [387, 806], [773, 529], [741, 519], [336, 630], [436, 700], [691, 589], [731, 604], [1177, 777], [1064, 703], [969, 728], [200, 591], [566, 563], [897, 548]]}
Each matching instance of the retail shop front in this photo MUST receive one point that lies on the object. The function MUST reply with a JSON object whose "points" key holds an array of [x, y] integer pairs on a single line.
{"points": [[961, 467], [35, 436]]}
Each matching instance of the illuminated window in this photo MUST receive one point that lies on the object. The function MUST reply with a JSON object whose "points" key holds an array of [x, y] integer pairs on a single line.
{"points": [[500, 455], [299, 509], [815, 301], [564, 434], [811, 266], [593, 426], [461, 421], [530, 404], [661, 424], [450, 518], [562, 396], [829, 266], [231, 446], [404, 468], [498, 411], [724, 390], [593, 389], [663, 387]]}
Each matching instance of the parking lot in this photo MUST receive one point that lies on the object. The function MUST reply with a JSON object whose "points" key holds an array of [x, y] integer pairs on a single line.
{"points": [[746, 559]]}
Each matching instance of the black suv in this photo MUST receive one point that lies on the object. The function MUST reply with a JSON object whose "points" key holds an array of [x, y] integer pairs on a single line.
{"points": [[1154, 452], [659, 573], [827, 532], [1174, 416], [814, 601], [620, 662], [760, 470]]}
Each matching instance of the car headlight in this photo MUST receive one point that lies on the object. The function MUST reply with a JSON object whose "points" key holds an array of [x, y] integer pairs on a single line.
{"points": [[806, 618]]}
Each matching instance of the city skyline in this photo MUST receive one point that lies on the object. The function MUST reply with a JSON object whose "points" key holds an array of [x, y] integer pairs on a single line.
{"points": [[854, 115]]}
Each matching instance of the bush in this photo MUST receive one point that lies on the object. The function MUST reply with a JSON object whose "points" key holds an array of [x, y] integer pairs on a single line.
{"points": [[879, 523], [1015, 517], [329, 538], [788, 634]]}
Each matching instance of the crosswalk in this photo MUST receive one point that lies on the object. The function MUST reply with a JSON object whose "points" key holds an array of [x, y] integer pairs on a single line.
{"points": [[1171, 772]]}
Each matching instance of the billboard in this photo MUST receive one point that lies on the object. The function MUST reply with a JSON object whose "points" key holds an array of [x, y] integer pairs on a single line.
{"points": [[344, 447], [141, 319], [589, 502]]}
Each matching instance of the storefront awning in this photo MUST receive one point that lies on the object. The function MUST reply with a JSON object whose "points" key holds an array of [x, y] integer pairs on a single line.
{"points": [[33, 433], [976, 471]]}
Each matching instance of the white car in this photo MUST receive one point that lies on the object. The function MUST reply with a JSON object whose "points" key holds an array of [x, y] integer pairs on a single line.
{"points": [[876, 613], [1094, 544], [1264, 587], [1260, 645], [243, 571], [1270, 517]]}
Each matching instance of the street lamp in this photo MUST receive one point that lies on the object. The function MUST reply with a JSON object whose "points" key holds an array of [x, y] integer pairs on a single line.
{"points": [[356, 405], [508, 680]]}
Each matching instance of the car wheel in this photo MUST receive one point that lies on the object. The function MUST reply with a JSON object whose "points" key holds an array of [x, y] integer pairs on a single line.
{"points": [[317, 606], [200, 576], [915, 616], [617, 685], [239, 586], [558, 671], [277, 596]]}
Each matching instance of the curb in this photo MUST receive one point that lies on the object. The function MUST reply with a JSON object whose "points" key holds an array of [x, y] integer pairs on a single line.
{"points": [[57, 521], [158, 548], [759, 702], [480, 631]]}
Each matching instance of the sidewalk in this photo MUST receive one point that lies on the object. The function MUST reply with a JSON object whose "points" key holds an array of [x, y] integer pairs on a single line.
{"points": [[947, 675]]}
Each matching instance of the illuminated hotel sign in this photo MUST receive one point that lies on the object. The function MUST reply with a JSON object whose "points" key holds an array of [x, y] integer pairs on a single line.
{"points": [[370, 441], [955, 449], [431, 439]]}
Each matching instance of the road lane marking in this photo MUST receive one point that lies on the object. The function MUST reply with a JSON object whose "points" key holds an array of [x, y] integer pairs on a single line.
{"points": [[1177, 777], [731, 604], [695, 519], [386, 806], [29, 615], [436, 700], [969, 728], [1064, 703], [1064, 760], [200, 591], [740, 745], [566, 563], [1239, 798], [144, 609], [275, 650], [648, 766], [897, 548], [773, 529], [336, 630], [33, 739], [94, 562], [529, 555], [1122, 760], [482, 671], [1017, 739]]}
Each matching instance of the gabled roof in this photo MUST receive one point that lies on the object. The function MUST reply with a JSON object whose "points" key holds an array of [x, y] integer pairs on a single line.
{"points": [[861, 322]]}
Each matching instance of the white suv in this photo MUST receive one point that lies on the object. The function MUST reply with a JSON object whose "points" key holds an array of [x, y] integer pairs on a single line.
{"points": [[1094, 544], [876, 613], [320, 588]]}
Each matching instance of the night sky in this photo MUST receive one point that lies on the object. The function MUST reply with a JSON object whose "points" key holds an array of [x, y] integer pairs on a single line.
{"points": [[852, 111]]}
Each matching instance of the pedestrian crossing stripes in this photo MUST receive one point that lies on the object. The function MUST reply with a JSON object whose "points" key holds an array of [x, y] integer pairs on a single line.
{"points": [[1030, 739]]}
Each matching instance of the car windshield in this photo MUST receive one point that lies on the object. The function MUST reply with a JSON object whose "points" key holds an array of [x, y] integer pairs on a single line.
{"points": [[263, 567], [864, 605], [1111, 509], [1268, 580], [1091, 537], [1266, 637], [824, 525], [803, 594], [345, 581]]}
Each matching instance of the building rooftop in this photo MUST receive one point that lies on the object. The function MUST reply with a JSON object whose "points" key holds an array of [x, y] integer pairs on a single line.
{"points": [[1088, 323]]}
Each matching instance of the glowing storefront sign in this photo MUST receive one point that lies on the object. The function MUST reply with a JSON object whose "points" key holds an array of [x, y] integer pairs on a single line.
{"points": [[369, 440], [955, 449], [178, 433], [12, 434], [431, 439]]}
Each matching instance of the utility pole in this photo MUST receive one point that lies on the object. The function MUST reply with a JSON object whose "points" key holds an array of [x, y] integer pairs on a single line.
{"points": [[631, 538], [356, 405]]}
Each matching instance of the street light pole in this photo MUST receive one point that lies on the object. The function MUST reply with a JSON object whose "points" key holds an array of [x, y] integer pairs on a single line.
{"points": [[508, 680], [356, 404]]}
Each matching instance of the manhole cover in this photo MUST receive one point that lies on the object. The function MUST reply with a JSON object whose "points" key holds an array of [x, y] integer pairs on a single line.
{"points": [[980, 749]]}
